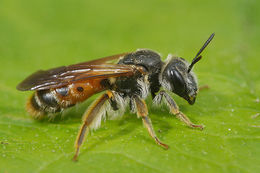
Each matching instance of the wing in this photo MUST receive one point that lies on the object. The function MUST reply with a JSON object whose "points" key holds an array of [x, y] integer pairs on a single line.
{"points": [[104, 60], [65, 75]]}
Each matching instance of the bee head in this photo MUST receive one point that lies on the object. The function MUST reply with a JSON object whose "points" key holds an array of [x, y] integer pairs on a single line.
{"points": [[177, 76]]}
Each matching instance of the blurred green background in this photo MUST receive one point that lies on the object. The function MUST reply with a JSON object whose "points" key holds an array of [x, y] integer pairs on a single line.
{"points": [[44, 34]]}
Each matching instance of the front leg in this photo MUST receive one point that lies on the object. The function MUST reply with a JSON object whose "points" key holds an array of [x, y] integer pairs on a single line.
{"points": [[174, 109], [203, 87]]}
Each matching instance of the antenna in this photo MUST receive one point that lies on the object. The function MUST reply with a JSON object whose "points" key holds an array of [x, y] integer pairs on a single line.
{"points": [[198, 56]]}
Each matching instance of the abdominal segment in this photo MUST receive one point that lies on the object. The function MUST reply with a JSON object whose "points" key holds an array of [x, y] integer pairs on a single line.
{"points": [[54, 100]]}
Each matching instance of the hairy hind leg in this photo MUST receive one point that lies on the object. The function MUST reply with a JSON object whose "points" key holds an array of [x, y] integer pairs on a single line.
{"points": [[93, 113]]}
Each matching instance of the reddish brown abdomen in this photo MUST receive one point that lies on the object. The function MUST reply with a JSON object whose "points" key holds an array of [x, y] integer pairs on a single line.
{"points": [[57, 99]]}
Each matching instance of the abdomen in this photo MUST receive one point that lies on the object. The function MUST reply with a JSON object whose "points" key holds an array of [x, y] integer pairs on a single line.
{"points": [[54, 100]]}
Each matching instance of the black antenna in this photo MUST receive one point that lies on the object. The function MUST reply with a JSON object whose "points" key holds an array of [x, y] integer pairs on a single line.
{"points": [[198, 57]]}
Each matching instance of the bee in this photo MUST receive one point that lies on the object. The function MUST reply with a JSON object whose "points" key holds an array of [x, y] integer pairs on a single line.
{"points": [[128, 82]]}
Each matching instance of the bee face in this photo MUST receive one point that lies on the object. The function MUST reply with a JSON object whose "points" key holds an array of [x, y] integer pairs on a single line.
{"points": [[176, 78]]}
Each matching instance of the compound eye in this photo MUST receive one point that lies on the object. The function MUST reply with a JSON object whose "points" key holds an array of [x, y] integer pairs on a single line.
{"points": [[177, 82]]}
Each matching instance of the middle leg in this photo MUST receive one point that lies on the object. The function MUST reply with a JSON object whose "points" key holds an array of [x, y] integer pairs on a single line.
{"points": [[142, 112]]}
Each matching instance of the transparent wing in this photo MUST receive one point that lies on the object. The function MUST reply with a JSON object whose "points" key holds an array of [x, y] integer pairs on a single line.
{"points": [[65, 75], [105, 60]]}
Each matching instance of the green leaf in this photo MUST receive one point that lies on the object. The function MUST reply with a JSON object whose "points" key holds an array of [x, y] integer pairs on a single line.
{"points": [[45, 34]]}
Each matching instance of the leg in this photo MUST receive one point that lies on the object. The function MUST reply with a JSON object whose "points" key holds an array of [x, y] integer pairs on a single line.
{"points": [[142, 112], [113, 103], [187, 121], [90, 118], [174, 109], [203, 87]]}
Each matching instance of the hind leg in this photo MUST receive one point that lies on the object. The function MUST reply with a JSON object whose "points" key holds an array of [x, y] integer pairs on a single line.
{"points": [[90, 118]]}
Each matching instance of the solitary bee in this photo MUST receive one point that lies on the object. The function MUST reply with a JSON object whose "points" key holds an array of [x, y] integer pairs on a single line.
{"points": [[128, 82]]}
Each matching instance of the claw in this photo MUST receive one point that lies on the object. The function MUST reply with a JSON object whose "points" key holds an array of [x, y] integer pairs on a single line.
{"points": [[197, 126]]}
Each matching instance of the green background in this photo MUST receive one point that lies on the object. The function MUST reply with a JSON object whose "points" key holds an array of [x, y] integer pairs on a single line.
{"points": [[44, 34]]}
